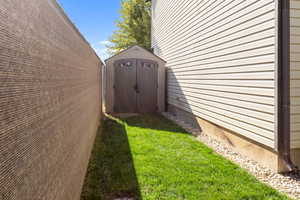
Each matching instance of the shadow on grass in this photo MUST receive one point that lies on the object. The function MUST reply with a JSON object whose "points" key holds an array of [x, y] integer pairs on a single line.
{"points": [[111, 173], [151, 121], [171, 165]]}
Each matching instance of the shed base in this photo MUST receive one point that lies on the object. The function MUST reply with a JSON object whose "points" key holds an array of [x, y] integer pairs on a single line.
{"points": [[124, 115]]}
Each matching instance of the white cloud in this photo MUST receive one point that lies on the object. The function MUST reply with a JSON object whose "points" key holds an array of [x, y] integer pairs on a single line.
{"points": [[101, 52], [101, 49], [105, 42]]}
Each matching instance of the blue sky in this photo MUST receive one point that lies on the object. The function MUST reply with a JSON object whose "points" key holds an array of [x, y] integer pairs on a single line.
{"points": [[94, 18]]}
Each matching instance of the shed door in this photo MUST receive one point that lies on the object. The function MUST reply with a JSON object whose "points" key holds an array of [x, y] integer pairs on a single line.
{"points": [[125, 86], [147, 86]]}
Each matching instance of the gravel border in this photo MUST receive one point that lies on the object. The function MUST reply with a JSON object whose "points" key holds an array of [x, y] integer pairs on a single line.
{"points": [[285, 183]]}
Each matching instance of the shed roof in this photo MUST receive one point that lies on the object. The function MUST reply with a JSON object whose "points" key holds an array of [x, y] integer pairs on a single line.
{"points": [[142, 48]]}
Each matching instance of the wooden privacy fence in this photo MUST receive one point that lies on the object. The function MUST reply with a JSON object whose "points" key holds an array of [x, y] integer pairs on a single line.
{"points": [[49, 102]]}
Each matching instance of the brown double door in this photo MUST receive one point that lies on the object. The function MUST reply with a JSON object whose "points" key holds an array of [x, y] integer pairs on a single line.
{"points": [[135, 86]]}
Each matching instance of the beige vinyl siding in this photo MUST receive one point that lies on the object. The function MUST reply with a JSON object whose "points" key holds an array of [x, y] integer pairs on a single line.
{"points": [[221, 61], [295, 72]]}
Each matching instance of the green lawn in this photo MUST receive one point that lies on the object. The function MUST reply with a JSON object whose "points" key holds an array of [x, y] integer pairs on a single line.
{"points": [[149, 157]]}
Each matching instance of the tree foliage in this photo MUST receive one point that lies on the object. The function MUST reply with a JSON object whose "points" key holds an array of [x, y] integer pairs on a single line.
{"points": [[134, 26]]}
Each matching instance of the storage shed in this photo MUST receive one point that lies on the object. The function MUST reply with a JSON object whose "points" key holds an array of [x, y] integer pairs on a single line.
{"points": [[135, 82]]}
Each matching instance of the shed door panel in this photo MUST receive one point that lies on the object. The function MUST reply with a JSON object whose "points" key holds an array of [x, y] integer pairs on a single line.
{"points": [[125, 82], [147, 86]]}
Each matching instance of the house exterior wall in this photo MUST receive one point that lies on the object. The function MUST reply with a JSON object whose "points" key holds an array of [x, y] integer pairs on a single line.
{"points": [[134, 52], [49, 102], [295, 72], [221, 61], [249, 148]]}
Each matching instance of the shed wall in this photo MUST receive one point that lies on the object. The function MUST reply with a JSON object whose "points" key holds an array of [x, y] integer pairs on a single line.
{"points": [[134, 52], [295, 71], [221, 61], [49, 102]]}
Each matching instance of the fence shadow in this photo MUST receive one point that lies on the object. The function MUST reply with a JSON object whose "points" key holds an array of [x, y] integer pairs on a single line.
{"points": [[111, 173], [150, 121]]}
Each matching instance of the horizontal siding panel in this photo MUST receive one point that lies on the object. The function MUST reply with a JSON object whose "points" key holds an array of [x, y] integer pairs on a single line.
{"points": [[230, 95], [229, 116], [221, 61], [268, 115], [295, 57], [269, 49], [295, 100], [295, 48], [239, 83], [295, 92], [224, 49], [226, 122], [262, 59], [295, 22], [295, 66], [240, 90], [295, 143], [226, 116], [295, 39], [222, 70], [193, 8], [225, 40], [174, 9], [295, 4], [295, 72], [295, 109], [242, 114], [190, 15], [295, 75], [295, 137], [231, 76], [294, 13], [220, 22], [295, 83], [295, 128], [295, 118], [295, 30]]}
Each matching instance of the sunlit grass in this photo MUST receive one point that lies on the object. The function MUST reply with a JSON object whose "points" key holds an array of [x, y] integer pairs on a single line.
{"points": [[149, 157]]}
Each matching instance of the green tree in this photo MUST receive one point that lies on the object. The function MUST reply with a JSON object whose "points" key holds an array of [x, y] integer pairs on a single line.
{"points": [[134, 27]]}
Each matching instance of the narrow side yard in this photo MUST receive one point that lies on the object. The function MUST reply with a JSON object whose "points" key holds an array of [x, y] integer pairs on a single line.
{"points": [[149, 157]]}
